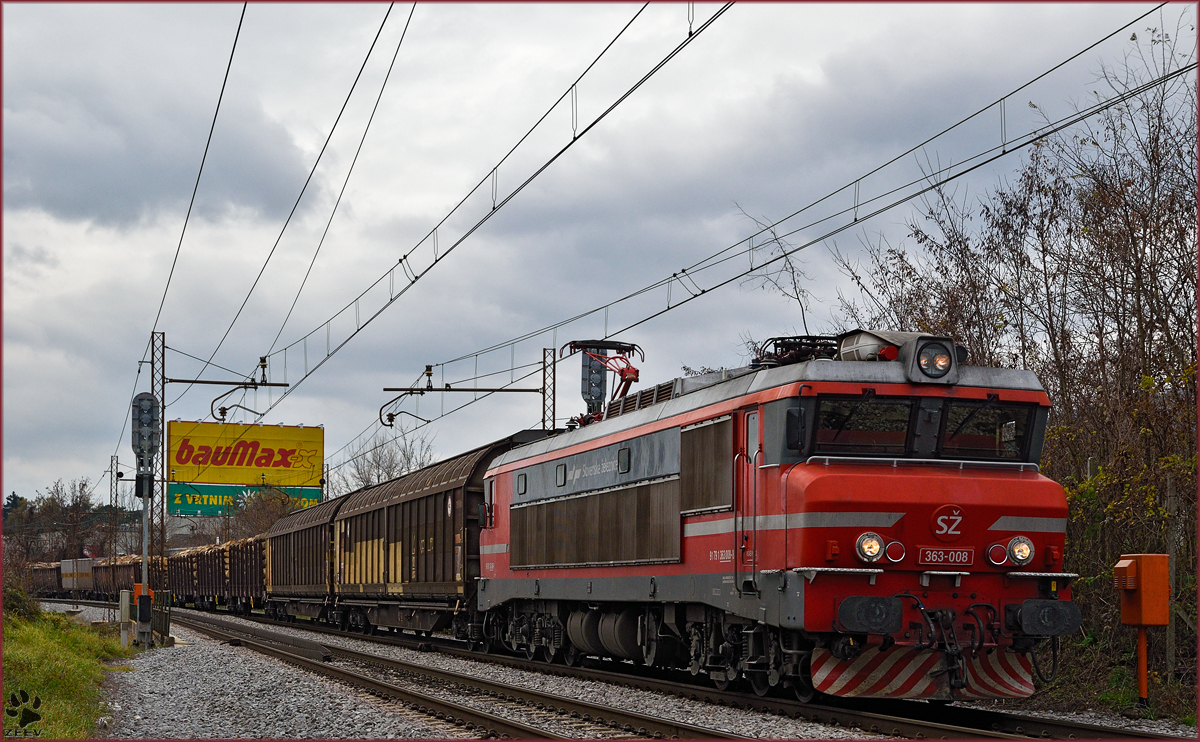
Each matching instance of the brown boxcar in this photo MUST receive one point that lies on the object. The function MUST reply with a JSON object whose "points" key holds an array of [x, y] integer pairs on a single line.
{"points": [[102, 578], [212, 576], [299, 564], [407, 551], [247, 580], [181, 576], [46, 579], [112, 575]]}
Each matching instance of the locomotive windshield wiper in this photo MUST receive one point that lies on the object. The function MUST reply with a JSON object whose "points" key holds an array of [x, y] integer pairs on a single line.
{"points": [[849, 415], [991, 402]]}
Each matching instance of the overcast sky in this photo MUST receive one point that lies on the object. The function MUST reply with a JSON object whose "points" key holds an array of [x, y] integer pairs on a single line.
{"points": [[107, 109]]}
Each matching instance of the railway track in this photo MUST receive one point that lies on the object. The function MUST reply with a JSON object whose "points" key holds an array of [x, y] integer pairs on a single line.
{"points": [[899, 718], [581, 718]]}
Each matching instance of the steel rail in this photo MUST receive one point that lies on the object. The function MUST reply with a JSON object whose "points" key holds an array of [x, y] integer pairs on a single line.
{"points": [[421, 702], [898, 717], [829, 715], [628, 721], [903, 718]]}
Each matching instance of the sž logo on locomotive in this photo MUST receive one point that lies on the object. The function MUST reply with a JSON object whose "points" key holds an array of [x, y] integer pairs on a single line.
{"points": [[946, 523]]}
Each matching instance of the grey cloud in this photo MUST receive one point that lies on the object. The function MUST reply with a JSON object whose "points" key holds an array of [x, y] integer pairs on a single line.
{"points": [[29, 261], [83, 152]]}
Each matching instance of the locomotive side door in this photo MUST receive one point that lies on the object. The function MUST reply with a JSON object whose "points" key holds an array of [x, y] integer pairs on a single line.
{"points": [[746, 463]]}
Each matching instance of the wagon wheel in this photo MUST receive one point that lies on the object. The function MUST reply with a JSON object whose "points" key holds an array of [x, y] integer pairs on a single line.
{"points": [[722, 683], [572, 656]]}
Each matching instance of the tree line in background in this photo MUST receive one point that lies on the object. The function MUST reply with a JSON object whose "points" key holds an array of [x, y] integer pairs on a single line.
{"points": [[1083, 269]]}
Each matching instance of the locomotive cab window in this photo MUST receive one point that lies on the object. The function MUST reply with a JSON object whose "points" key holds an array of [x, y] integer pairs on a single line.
{"points": [[623, 461], [521, 484], [986, 430], [560, 475], [863, 425]]}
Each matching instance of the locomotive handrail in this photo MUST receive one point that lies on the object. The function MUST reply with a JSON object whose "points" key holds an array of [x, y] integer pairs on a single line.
{"points": [[952, 463], [783, 491]]}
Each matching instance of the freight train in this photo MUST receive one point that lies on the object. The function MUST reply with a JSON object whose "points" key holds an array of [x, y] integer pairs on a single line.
{"points": [[860, 515]]}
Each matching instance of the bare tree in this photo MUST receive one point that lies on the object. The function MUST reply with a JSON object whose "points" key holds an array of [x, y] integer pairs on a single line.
{"points": [[1083, 269], [785, 275], [380, 458], [256, 513]]}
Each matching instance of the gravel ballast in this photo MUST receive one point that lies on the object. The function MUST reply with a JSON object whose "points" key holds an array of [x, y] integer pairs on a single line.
{"points": [[203, 689], [739, 721]]}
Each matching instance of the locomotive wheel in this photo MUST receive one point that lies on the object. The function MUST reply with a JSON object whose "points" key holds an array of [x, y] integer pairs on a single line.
{"points": [[802, 684], [804, 693], [759, 682], [530, 652], [722, 683], [650, 647]]}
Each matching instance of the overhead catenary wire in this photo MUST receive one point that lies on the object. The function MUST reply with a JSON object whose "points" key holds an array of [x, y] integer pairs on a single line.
{"points": [[345, 182], [296, 205], [702, 263], [195, 188], [360, 325], [491, 175], [374, 425], [1004, 151], [203, 158], [197, 358], [433, 232], [686, 272]]}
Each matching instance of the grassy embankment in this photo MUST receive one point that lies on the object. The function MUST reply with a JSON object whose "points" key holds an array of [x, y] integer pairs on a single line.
{"points": [[58, 661]]}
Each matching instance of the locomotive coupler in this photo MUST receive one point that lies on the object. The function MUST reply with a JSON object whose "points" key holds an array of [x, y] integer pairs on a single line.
{"points": [[941, 622], [956, 664]]}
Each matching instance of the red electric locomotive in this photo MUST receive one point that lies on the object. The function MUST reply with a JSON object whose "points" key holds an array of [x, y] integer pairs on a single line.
{"points": [[858, 516]]}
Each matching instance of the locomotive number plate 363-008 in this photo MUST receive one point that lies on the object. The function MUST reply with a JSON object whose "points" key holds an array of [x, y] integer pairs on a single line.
{"points": [[937, 555]]}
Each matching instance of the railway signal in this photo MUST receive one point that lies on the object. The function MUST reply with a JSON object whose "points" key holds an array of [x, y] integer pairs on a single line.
{"points": [[147, 439]]}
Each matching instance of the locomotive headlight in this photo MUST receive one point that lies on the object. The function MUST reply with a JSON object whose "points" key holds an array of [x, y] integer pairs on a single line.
{"points": [[934, 360], [869, 547], [1020, 551]]}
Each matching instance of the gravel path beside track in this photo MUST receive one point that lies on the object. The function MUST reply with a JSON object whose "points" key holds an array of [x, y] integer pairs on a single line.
{"points": [[202, 689]]}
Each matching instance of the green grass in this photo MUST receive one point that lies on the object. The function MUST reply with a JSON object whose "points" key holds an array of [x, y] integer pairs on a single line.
{"points": [[60, 662]]}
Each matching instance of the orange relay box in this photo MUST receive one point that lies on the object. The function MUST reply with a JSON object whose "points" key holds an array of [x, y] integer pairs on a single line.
{"points": [[1142, 581]]}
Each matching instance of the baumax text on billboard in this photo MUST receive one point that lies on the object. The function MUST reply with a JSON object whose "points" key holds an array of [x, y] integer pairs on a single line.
{"points": [[220, 453]]}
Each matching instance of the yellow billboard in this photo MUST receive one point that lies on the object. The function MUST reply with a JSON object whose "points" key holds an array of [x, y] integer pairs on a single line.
{"points": [[224, 453]]}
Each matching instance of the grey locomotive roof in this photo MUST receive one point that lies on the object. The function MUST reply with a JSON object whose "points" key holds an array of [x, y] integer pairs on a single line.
{"points": [[694, 392]]}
